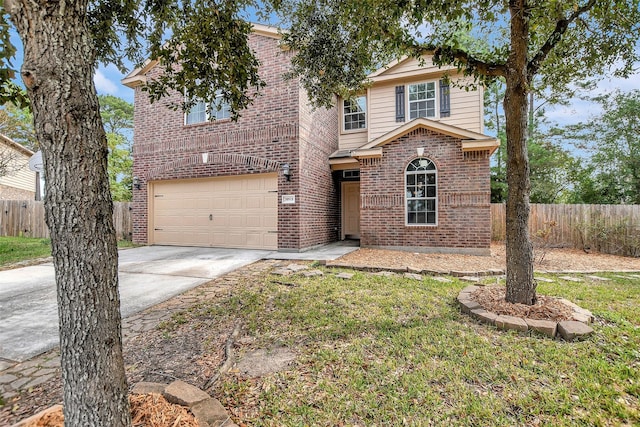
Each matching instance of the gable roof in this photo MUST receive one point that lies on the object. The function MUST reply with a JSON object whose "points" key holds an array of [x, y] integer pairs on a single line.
{"points": [[5, 140], [394, 70], [138, 77], [471, 141]]}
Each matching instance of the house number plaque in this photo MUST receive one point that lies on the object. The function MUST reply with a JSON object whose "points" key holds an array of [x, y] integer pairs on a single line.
{"points": [[288, 199]]}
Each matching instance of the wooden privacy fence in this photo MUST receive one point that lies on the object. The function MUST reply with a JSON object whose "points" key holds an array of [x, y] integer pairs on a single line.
{"points": [[26, 218], [613, 229]]}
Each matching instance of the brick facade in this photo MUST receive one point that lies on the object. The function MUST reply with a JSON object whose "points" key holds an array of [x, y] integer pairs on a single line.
{"points": [[320, 209], [281, 127], [12, 193], [463, 197], [275, 129]]}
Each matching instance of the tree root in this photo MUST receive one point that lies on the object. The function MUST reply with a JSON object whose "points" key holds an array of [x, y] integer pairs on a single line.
{"points": [[229, 357]]}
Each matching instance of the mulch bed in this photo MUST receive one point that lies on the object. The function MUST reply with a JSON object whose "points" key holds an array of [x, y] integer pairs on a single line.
{"points": [[147, 410], [491, 298]]}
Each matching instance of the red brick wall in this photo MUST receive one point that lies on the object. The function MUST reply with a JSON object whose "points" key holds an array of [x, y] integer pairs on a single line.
{"points": [[318, 195], [272, 131], [464, 222], [12, 193], [263, 138]]}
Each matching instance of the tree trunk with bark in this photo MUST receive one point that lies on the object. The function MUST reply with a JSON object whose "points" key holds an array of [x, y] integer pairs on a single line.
{"points": [[58, 73], [521, 287]]}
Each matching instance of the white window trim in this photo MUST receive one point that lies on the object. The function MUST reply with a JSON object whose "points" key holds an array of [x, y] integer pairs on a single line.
{"points": [[366, 116], [186, 115], [437, 100], [222, 103], [208, 113], [404, 191]]}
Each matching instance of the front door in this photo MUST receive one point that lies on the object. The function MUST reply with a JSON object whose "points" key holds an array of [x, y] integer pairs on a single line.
{"points": [[350, 210]]}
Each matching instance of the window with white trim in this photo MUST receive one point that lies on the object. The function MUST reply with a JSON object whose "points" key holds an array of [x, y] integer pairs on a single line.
{"points": [[355, 113], [219, 108], [422, 100], [203, 111], [197, 113], [421, 192]]}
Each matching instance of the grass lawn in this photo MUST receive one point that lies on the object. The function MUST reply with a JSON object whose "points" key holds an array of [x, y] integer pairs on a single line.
{"points": [[16, 249], [393, 351]]}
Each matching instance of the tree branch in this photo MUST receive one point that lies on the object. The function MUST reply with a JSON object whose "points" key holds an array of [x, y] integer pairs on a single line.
{"points": [[555, 37], [448, 55], [474, 65]]}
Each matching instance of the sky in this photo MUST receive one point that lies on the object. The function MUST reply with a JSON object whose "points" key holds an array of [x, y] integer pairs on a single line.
{"points": [[108, 82], [581, 110]]}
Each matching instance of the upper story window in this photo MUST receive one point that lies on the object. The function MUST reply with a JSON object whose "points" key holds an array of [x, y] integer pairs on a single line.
{"points": [[421, 192], [202, 111], [197, 113], [422, 100], [219, 108], [355, 113]]}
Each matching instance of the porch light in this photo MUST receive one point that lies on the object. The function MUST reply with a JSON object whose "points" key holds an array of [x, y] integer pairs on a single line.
{"points": [[136, 182], [286, 171]]}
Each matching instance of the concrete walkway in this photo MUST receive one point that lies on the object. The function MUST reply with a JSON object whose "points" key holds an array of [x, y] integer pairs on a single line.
{"points": [[16, 378], [148, 276]]}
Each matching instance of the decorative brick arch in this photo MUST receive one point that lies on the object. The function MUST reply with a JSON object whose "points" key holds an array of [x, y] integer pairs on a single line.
{"points": [[426, 155], [214, 158]]}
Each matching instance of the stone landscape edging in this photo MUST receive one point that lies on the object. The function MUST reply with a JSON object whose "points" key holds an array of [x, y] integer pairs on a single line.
{"points": [[570, 330], [207, 410], [457, 273]]}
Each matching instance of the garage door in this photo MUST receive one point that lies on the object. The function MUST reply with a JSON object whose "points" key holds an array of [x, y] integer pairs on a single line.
{"points": [[230, 212]]}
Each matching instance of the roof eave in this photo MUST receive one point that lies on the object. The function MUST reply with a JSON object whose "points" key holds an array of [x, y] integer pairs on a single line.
{"points": [[367, 153], [489, 144], [18, 147]]}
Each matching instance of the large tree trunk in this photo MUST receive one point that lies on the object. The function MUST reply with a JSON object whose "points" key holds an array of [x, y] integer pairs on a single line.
{"points": [[521, 287], [58, 73]]}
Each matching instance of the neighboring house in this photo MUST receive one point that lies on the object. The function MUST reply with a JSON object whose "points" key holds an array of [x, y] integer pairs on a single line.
{"points": [[403, 166], [17, 182]]}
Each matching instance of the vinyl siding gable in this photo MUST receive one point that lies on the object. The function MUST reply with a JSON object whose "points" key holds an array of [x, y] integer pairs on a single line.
{"points": [[466, 106]]}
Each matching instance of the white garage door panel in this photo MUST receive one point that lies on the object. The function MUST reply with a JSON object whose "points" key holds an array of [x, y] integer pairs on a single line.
{"points": [[234, 212]]}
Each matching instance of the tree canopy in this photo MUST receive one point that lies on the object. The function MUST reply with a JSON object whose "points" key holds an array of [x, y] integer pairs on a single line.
{"points": [[117, 116], [612, 138], [340, 42], [17, 123], [207, 38]]}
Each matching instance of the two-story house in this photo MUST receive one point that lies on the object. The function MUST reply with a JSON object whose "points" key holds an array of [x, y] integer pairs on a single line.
{"points": [[405, 165]]}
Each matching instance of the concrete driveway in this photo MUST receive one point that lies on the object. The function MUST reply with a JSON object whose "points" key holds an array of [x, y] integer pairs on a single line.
{"points": [[148, 275]]}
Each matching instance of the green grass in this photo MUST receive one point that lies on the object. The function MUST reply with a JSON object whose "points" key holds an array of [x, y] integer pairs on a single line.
{"points": [[16, 249], [393, 351]]}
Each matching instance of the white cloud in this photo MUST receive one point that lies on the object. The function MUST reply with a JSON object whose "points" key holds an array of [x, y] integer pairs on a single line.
{"points": [[615, 83], [103, 84], [580, 110]]}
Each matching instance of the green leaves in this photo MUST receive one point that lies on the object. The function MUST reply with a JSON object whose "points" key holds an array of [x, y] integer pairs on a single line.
{"points": [[116, 113], [117, 117], [613, 173], [206, 54], [17, 124], [201, 45], [9, 90], [568, 42]]}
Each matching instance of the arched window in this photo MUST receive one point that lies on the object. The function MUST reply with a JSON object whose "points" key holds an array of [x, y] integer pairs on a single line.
{"points": [[421, 192]]}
